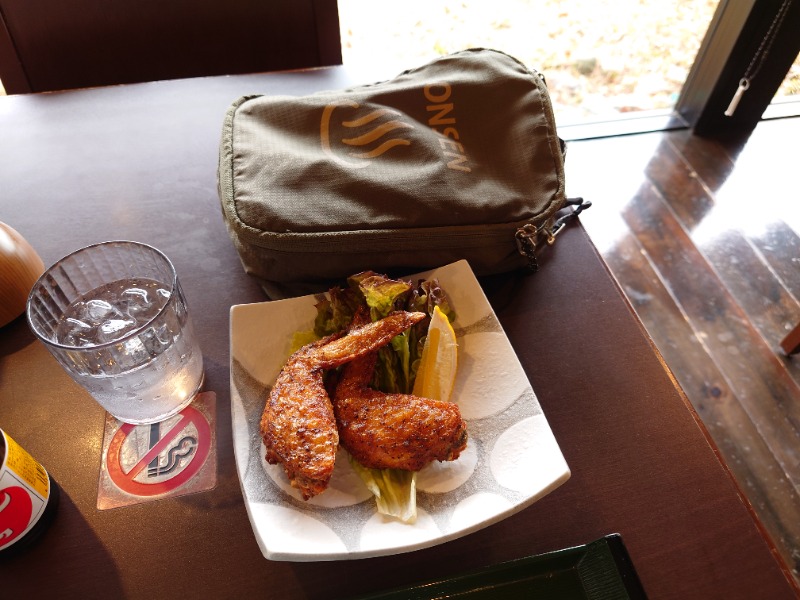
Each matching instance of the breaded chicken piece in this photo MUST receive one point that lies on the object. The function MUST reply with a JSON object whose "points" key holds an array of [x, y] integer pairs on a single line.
{"points": [[298, 426], [393, 431]]}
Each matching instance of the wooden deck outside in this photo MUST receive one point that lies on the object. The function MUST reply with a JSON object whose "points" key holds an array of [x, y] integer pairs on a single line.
{"points": [[703, 238]]}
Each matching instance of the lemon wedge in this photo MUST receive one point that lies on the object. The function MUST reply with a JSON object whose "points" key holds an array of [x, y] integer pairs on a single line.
{"points": [[437, 369]]}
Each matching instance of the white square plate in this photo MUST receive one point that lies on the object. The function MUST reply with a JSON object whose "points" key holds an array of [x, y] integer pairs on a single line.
{"points": [[511, 459]]}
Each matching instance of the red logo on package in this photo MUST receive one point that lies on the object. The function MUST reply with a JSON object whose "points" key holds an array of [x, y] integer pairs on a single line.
{"points": [[16, 510]]}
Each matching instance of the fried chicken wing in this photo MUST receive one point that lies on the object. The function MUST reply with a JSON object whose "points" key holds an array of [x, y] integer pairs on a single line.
{"points": [[298, 425], [393, 431]]}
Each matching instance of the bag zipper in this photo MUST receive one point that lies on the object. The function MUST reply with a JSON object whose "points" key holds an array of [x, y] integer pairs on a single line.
{"points": [[527, 236]]}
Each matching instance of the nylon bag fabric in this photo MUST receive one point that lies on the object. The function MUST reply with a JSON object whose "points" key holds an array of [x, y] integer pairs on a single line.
{"points": [[448, 161]]}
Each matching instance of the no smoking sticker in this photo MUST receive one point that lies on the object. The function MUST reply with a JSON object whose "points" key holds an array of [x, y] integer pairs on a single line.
{"points": [[150, 462]]}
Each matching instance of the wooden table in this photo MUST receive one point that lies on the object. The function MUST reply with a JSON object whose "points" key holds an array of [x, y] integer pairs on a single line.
{"points": [[138, 162]]}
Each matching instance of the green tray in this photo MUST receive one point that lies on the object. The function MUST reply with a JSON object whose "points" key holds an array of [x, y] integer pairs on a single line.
{"points": [[599, 570]]}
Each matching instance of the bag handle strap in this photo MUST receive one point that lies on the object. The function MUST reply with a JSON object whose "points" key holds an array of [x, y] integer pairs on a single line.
{"points": [[580, 205]]}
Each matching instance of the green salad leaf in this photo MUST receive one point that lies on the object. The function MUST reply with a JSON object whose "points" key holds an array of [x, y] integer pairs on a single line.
{"points": [[395, 490]]}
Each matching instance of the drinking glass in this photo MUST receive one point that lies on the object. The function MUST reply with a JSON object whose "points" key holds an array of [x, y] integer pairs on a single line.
{"points": [[114, 316]]}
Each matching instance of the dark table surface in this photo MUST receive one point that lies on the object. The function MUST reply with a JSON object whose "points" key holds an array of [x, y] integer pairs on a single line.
{"points": [[139, 162]]}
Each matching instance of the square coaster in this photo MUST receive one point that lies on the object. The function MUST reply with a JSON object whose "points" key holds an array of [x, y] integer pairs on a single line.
{"points": [[174, 457]]}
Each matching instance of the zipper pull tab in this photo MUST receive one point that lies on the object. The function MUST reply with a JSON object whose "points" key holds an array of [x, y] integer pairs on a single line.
{"points": [[526, 244], [744, 85]]}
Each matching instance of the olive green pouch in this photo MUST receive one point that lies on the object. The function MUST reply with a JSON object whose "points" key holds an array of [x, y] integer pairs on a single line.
{"points": [[457, 159]]}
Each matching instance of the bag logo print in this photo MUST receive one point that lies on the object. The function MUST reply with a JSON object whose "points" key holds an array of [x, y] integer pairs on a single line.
{"points": [[367, 145]]}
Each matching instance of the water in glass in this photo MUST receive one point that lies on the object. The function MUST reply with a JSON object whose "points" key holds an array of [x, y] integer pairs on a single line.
{"points": [[147, 367]]}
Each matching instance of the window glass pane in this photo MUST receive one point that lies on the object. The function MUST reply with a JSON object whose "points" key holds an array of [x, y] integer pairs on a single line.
{"points": [[790, 88], [602, 59]]}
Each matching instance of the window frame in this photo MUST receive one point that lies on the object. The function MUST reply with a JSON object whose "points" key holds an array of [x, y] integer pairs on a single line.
{"points": [[733, 38]]}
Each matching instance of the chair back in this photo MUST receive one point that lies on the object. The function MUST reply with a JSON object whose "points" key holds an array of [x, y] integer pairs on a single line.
{"points": [[63, 44]]}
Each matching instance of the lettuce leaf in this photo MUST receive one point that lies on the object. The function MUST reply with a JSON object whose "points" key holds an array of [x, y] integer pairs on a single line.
{"points": [[395, 490], [335, 312], [383, 295]]}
